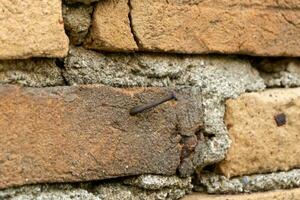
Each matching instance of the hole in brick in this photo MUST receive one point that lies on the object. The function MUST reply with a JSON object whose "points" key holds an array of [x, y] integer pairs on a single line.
{"points": [[280, 119]]}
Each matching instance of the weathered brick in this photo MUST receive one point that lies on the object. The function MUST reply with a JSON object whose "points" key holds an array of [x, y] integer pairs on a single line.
{"points": [[238, 3], [256, 27], [66, 134], [274, 195], [265, 28], [32, 29], [260, 143], [111, 29]]}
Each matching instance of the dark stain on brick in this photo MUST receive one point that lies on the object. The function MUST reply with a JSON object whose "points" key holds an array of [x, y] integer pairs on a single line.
{"points": [[229, 126], [280, 119]]}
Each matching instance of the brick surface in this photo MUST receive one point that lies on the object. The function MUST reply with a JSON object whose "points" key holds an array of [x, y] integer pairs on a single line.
{"points": [[273, 195], [32, 29], [264, 129], [111, 29], [67, 134], [266, 28]]}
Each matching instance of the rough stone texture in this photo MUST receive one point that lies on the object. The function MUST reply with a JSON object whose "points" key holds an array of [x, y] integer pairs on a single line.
{"points": [[48, 192], [217, 78], [226, 76], [111, 27], [259, 145], [32, 29], [122, 192], [86, 2], [77, 22], [84, 133], [280, 72], [265, 28], [213, 183], [274, 195], [32, 72], [99, 191], [154, 182]]}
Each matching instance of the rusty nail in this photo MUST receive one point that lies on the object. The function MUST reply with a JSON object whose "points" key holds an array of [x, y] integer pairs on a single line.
{"points": [[280, 119], [142, 108]]}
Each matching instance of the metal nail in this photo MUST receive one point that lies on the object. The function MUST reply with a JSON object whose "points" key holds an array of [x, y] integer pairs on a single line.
{"points": [[142, 108]]}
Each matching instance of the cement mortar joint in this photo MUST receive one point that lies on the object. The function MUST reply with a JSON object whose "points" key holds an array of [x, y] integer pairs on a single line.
{"points": [[166, 188], [217, 184]]}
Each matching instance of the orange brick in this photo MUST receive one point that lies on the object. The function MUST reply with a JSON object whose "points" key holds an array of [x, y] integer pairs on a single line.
{"points": [[260, 143]]}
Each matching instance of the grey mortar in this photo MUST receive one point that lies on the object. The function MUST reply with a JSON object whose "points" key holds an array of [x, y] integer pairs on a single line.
{"points": [[122, 192], [213, 183], [155, 182], [35, 72], [279, 72], [170, 188]]}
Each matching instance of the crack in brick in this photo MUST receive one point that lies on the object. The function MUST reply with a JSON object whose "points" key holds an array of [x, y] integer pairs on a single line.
{"points": [[60, 64], [289, 21], [134, 35]]}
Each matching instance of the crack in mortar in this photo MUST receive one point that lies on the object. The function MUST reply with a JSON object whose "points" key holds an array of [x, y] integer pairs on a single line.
{"points": [[134, 35], [60, 64], [91, 24]]}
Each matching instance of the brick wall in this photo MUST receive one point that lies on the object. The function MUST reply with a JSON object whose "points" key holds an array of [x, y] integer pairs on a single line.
{"points": [[72, 72]]}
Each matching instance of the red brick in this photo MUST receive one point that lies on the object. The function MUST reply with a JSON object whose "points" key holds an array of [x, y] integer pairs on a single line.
{"points": [[68, 134]]}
